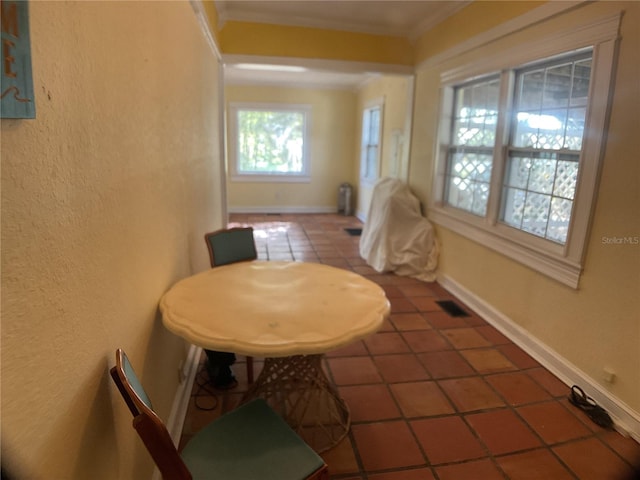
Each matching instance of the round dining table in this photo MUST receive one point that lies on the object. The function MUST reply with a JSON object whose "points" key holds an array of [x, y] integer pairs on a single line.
{"points": [[290, 314]]}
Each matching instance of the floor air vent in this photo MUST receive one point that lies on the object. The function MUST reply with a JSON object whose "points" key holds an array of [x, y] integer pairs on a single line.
{"points": [[452, 308], [354, 232]]}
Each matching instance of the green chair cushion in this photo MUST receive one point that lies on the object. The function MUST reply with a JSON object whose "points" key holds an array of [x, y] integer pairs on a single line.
{"points": [[251, 442], [232, 246]]}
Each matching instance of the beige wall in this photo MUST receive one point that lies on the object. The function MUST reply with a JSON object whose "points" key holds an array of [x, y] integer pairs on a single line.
{"points": [[397, 95], [105, 197], [597, 325], [333, 123]]}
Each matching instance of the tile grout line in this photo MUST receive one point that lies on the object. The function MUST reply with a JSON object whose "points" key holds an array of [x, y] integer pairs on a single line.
{"points": [[321, 225]]}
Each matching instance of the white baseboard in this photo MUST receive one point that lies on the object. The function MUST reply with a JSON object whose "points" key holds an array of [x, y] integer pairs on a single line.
{"points": [[175, 422], [281, 209], [627, 421]]}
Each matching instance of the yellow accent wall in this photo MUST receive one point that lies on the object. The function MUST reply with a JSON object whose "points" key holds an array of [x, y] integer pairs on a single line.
{"points": [[105, 197], [472, 20], [246, 38], [333, 123], [597, 325]]}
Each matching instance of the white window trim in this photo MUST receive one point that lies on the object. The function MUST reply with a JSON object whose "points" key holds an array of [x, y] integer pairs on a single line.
{"points": [[235, 176], [563, 263], [371, 104]]}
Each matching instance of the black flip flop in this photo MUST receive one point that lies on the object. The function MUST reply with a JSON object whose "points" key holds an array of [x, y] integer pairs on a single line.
{"points": [[590, 407]]}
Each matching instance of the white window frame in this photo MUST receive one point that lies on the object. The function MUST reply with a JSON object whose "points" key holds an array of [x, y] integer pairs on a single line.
{"points": [[299, 177], [370, 177], [563, 263]]}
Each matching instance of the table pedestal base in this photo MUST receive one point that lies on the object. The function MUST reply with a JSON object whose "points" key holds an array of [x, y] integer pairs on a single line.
{"points": [[297, 388]]}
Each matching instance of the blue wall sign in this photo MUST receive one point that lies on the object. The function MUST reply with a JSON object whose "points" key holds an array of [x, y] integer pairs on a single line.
{"points": [[16, 86]]}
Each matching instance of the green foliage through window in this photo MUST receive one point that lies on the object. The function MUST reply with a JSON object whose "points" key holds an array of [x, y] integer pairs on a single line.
{"points": [[270, 141]]}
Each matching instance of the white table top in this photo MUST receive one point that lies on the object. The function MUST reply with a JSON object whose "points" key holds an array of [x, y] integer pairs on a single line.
{"points": [[274, 309]]}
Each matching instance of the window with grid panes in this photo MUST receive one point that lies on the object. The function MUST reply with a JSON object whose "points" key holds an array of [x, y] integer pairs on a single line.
{"points": [[515, 169], [370, 146], [269, 142], [470, 156], [548, 124]]}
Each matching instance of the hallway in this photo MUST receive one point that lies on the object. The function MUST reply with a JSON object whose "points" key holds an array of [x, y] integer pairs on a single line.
{"points": [[432, 396]]}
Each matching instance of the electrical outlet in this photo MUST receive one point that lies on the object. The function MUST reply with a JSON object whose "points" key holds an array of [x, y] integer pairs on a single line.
{"points": [[608, 375]]}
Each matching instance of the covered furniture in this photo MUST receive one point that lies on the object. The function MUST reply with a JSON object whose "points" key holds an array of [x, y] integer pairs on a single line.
{"points": [[249, 442], [226, 246], [396, 237]]}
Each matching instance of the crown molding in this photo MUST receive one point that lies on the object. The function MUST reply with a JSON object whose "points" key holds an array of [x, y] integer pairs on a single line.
{"points": [[526, 20], [443, 10], [430, 22], [203, 21]]}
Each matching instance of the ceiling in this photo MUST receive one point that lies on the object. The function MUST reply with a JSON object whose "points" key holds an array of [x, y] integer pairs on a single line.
{"points": [[402, 18]]}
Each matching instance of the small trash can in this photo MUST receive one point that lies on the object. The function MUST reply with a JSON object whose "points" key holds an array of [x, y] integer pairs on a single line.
{"points": [[344, 199]]}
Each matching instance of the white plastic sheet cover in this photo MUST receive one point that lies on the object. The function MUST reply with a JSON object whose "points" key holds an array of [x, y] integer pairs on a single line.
{"points": [[396, 237]]}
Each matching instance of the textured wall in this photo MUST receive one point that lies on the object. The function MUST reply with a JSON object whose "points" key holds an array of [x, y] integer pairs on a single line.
{"points": [[105, 197]]}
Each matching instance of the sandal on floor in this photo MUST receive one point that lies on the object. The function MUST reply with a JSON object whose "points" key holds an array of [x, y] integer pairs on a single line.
{"points": [[590, 407]]}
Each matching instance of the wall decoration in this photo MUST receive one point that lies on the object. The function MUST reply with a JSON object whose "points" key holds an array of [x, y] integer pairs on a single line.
{"points": [[17, 99]]}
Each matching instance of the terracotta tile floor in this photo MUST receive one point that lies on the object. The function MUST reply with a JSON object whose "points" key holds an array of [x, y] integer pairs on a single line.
{"points": [[433, 396]]}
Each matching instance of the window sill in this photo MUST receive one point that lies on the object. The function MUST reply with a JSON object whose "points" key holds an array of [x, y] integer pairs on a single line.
{"points": [[547, 262], [257, 178]]}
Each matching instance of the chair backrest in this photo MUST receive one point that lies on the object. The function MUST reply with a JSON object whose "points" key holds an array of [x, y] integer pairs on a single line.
{"points": [[149, 426], [231, 245]]}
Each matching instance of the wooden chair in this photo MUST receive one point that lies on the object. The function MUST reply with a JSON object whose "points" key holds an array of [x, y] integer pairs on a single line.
{"points": [[249, 442], [230, 245]]}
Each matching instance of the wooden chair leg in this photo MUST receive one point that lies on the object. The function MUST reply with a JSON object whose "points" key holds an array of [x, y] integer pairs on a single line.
{"points": [[250, 370]]}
